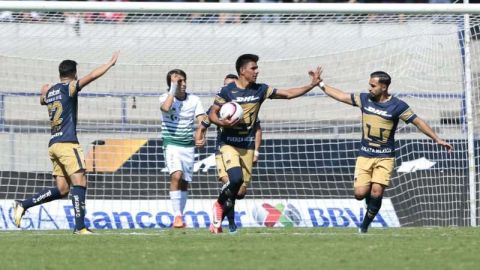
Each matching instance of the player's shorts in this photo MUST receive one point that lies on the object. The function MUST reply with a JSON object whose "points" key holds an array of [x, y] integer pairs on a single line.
{"points": [[67, 158], [231, 157], [178, 158], [220, 166], [373, 170]]}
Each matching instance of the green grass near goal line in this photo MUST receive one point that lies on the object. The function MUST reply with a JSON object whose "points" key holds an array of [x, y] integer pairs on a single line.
{"points": [[293, 248]]}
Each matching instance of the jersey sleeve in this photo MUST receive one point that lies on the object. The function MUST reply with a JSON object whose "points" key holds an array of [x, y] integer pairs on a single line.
{"points": [[407, 115], [270, 92], [73, 88], [199, 108], [162, 98], [221, 97], [356, 100]]}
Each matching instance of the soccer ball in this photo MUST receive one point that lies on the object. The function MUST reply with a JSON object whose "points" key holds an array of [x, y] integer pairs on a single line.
{"points": [[231, 110]]}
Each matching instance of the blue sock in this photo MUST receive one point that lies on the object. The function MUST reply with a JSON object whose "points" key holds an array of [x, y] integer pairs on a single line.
{"points": [[235, 181], [43, 196], [78, 202], [374, 205]]}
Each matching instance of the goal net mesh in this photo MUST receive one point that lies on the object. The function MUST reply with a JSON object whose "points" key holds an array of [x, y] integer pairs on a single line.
{"points": [[309, 143]]}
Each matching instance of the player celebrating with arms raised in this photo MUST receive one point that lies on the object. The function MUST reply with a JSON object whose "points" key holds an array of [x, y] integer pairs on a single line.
{"points": [[222, 174], [64, 150], [237, 136], [380, 115]]}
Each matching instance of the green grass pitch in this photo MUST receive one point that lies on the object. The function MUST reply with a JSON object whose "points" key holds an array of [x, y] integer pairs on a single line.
{"points": [[262, 248]]}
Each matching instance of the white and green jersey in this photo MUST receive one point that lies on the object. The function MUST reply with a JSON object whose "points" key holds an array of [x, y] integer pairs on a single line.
{"points": [[178, 124]]}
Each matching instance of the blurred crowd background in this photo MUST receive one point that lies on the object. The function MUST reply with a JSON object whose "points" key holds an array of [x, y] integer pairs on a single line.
{"points": [[114, 17]]}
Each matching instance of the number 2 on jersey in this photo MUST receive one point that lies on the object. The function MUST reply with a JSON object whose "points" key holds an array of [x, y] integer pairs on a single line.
{"points": [[55, 110]]}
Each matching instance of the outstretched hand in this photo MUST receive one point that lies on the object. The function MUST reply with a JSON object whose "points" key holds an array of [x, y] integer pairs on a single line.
{"points": [[44, 90], [315, 76], [446, 145], [114, 58]]}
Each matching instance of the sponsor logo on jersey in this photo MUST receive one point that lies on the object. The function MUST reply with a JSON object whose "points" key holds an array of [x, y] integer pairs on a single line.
{"points": [[377, 111], [53, 93], [246, 99], [58, 134], [377, 151]]}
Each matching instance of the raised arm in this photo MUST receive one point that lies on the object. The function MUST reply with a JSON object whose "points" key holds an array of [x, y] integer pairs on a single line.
{"points": [[98, 72], [167, 104], [302, 90], [427, 130], [335, 93], [43, 94]]}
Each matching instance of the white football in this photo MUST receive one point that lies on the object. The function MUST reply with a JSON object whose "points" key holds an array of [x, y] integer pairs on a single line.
{"points": [[231, 110]]}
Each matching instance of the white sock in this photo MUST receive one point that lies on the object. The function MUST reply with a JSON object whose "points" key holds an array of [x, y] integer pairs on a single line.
{"points": [[183, 200], [175, 197]]}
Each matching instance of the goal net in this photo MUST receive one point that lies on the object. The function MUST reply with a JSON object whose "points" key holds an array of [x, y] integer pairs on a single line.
{"points": [[304, 176]]}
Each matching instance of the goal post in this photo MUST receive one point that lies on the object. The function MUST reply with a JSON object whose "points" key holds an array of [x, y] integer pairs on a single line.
{"points": [[305, 171]]}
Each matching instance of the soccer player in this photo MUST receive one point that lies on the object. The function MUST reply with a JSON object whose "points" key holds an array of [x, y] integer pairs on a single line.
{"points": [[64, 150], [237, 136], [222, 174], [179, 111], [380, 115]]}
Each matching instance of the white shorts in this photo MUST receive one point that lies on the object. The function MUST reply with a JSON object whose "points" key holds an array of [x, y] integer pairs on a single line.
{"points": [[178, 158]]}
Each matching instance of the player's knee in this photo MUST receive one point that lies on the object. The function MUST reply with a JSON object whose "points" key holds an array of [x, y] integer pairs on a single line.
{"points": [[361, 192], [359, 197], [223, 179], [176, 176], [235, 176], [376, 193], [377, 190], [79, 179], [64, 190]]}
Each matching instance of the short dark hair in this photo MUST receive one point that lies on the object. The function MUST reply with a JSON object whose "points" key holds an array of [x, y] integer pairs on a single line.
{"points": [[244, 59], [382, 76], [175, 71], [67, 68], [231, 76]]}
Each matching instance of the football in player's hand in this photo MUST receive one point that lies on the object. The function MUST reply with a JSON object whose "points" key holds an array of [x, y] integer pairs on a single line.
{"points": [[231, 110]]}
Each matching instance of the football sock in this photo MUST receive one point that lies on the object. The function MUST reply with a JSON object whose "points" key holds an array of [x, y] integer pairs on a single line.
{"points": [[175, 198], [367, 199], [43, 196], [230, 214], [372, 209], [183, 200], [235, 177], [78, 202]]}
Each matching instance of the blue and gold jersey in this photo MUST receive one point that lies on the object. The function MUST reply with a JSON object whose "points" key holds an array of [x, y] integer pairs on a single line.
{"points": [[242, 135], [62, 102], [206, 123], [379, 123]]}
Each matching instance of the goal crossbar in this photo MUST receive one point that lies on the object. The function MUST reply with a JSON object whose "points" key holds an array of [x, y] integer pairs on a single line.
{"points": [[240, 7]]}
